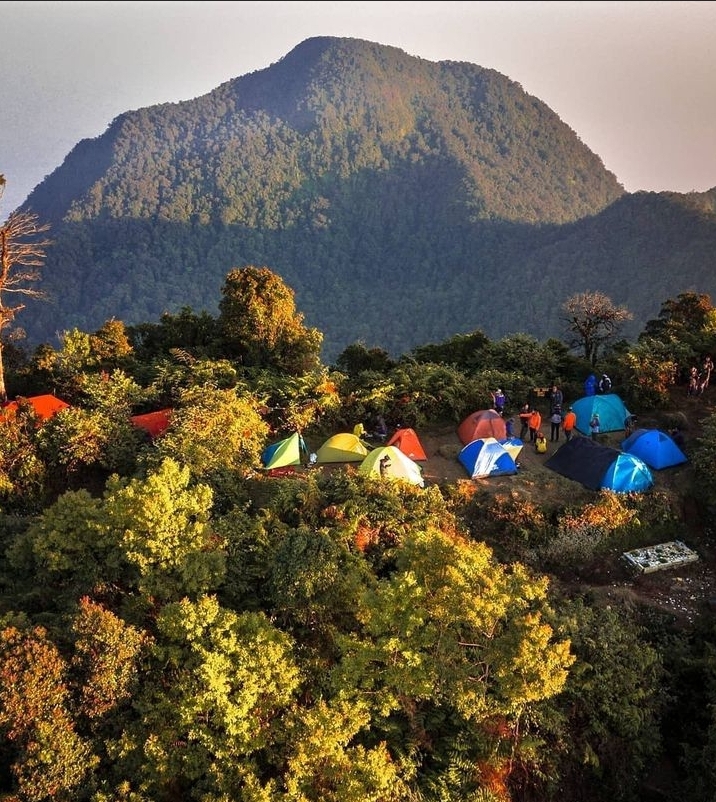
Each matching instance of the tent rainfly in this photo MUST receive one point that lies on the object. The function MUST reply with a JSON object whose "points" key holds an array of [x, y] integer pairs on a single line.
{"points": [[399, 466], [154, 423], [289, 451], [599, 467], [484, 423], [655, 448], [343, 447], [44, 406], [610, 408], [486, 457], [409, 443]]}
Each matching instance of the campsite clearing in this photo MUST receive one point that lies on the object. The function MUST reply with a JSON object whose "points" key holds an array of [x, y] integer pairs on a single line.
{"points": [[681, 591]]}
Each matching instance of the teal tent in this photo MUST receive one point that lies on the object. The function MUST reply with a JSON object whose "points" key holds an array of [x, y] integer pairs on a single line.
{"points": [[610, 408]]}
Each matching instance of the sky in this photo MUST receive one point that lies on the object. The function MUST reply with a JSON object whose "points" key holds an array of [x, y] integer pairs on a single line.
{"points": [[636, 81]]}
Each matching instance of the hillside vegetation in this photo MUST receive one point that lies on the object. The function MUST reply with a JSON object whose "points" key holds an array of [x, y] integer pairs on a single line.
{"points": [[176, 623]]}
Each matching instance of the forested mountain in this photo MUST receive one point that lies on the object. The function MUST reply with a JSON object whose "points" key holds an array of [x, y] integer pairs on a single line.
{"points": [[404, 200]]}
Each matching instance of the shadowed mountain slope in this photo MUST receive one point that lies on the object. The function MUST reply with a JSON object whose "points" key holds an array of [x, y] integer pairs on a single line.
{"points": [[403, 200]]}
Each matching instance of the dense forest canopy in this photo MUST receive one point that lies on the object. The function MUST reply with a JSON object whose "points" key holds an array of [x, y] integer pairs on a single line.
{"points": [[177, 623]]}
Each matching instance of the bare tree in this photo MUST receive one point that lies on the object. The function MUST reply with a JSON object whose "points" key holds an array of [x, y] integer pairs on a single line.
{"points": [[22, 254], [592, 320]]}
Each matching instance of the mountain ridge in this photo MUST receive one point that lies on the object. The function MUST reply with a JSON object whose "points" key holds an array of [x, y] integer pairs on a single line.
{"points": [[356, 172]]}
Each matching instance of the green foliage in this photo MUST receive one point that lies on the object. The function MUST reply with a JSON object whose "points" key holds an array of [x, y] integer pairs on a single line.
{"points": [[218, 434], [651, 369], [148, 535], [51, 758], [606, 735], [75, 440], [702, 456], [105, 661], [161, 524], [23, 475], [464, 351], [260, 326], [224, 683], [452, 626]]}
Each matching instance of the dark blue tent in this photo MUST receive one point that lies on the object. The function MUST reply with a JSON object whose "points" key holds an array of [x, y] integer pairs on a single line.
{"points": [[655, 448], [599, 467]]}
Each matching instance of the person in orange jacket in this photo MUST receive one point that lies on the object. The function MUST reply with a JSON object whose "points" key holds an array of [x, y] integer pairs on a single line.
{"points": [[535, 423], [568, 423]]}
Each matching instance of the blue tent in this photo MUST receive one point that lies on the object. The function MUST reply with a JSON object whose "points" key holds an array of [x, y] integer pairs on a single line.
{"points": [[610, 408], [486, 457], [655, 448], [599, 467]]}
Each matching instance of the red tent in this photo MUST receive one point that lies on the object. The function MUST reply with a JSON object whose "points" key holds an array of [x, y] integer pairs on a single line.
{"points": [[153, 422], [45, 406], [406, 440], [485, 423]]}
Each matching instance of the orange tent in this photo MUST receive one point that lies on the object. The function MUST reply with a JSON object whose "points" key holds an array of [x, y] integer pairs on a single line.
{"points": [[485, 423], [406, 440], [154, 423], [44, 406]]}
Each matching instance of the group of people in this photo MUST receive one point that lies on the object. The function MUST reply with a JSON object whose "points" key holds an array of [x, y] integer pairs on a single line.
{"points": [[559, 421], [699, 379], [380, 430], [592, 385]]}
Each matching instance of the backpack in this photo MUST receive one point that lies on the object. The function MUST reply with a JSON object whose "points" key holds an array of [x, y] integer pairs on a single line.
{"points": [[541, 445]]}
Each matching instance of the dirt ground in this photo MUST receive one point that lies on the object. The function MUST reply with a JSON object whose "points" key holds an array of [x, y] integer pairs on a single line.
{"points": [[681, 591]]}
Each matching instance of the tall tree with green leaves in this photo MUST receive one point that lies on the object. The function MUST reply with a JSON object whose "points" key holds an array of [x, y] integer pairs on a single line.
{"points": [[259, 323], [22, 254], [592, 320]]}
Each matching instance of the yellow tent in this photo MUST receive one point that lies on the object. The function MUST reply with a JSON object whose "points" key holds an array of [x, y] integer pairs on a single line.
{"points": [[399, 465], [342, 448]]}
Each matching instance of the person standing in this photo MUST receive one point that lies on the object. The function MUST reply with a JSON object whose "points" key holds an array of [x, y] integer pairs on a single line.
{"points": [[525, 414], [556, 398], [568, 424], [555, 422], [605, 384], [510, 428], [498, 400], [594, 426], [535, 423]]}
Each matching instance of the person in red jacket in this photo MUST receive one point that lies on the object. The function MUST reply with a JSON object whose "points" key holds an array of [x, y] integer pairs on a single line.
{"points": [[535, 423]]}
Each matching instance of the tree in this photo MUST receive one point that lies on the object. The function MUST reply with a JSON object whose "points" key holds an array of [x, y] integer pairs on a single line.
{"points": [[592, 320], [21, 256], [259, 323]]}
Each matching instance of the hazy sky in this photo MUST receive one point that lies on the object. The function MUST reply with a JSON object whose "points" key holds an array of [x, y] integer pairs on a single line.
{"points": [[635, 80]]}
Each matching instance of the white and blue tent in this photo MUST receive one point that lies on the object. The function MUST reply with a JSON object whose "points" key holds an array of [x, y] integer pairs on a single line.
{"points": [[486, 457]]}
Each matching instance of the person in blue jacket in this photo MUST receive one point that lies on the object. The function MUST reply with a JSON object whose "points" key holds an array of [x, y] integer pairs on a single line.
{"points": [[590, 385]]}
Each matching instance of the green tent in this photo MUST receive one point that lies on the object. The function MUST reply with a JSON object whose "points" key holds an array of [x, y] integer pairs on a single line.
{"points": [[290, 451]]}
